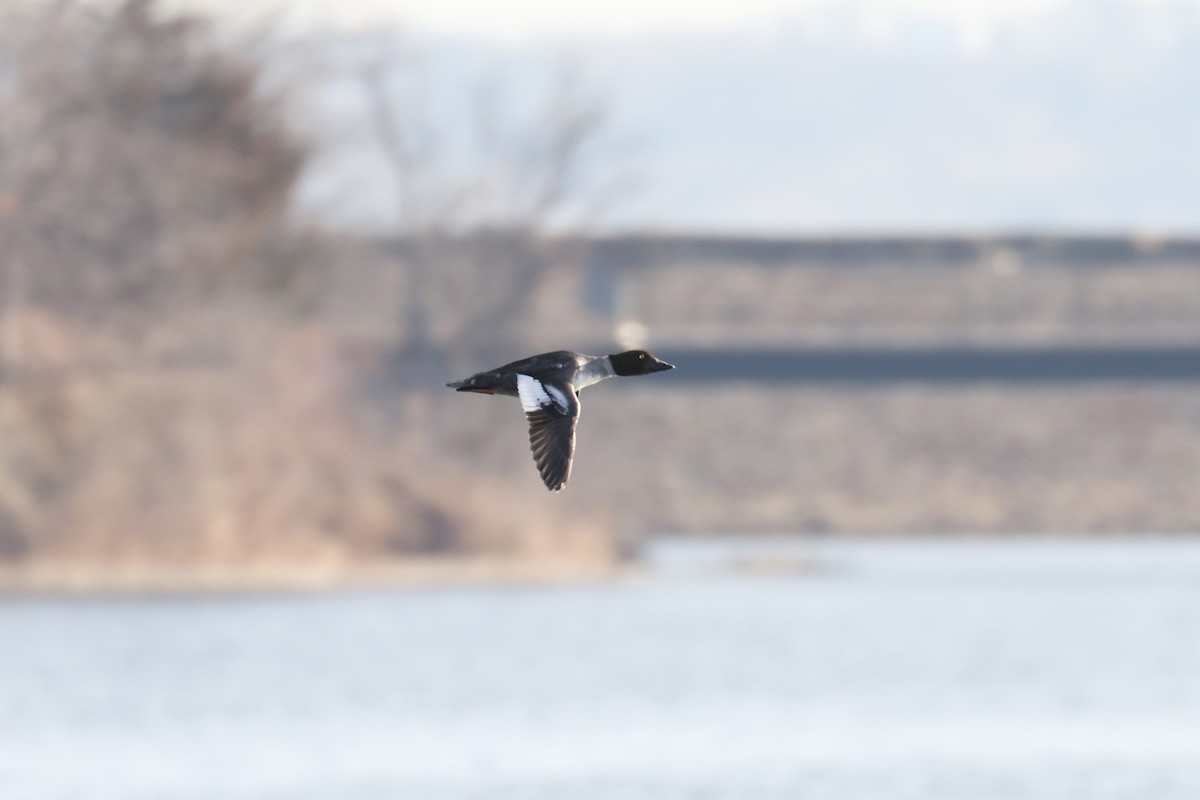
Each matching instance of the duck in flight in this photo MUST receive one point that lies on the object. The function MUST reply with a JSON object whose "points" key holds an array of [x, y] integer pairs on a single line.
{"points": [[548, 386]]}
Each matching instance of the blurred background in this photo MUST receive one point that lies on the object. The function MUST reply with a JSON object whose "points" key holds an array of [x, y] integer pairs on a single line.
{"points": [[912, 518]]}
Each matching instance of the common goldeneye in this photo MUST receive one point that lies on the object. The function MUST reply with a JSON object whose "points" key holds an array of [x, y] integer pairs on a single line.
{"points": [[548, 386]]}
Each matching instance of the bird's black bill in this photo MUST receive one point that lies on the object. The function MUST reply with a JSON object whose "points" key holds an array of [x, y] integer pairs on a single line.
{"points": [[658, 365]]}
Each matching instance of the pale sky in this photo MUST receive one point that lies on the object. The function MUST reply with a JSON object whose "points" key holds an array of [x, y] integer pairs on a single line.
{"points": [[828, 115], [518, 21]]}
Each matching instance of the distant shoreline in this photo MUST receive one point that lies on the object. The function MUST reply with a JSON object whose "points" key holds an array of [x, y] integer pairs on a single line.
{"points": [[762, 555], [152, 580]]}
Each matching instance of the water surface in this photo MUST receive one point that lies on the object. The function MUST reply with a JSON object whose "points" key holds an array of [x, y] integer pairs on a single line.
{"points": [[993, 668]]}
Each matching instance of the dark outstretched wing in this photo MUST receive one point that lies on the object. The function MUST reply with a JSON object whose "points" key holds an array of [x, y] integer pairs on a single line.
{"points": [[543, 363], [552, 409]]}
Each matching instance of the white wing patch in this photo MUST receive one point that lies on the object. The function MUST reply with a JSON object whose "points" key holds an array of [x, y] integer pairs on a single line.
{"points": [[536, 395]]}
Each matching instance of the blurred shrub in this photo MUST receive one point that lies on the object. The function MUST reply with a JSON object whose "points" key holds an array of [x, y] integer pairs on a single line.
{"points": [[168, 390]]}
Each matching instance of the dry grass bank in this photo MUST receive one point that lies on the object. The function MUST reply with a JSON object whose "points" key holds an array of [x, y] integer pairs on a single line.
{"points": [[257, 466], [1000, 301], [909, 459]]}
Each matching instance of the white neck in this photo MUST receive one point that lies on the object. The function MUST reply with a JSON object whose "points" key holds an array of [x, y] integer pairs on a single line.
{"points": [[599, 368]]}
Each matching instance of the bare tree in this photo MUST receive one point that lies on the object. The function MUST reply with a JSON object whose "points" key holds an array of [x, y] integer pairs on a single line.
{"points": [[145, 181], [165, 392], [146, 169], [479, 196]]}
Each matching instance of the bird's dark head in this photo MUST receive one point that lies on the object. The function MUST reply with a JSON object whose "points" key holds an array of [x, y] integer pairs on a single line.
{"points": [[637, 362]]}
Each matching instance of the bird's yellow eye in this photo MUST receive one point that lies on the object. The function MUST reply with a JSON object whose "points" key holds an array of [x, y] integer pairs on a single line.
{"points": [[642, 356]]}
